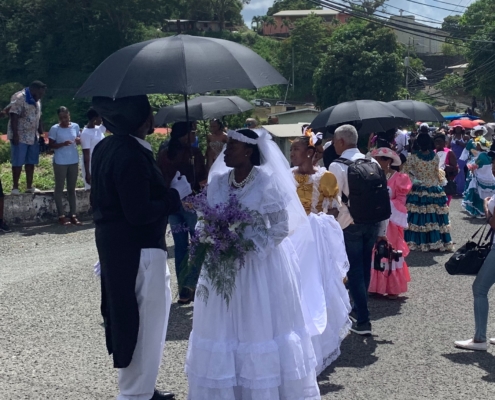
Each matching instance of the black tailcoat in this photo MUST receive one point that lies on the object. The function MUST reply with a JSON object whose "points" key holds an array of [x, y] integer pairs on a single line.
{"points": [[131, 204]]}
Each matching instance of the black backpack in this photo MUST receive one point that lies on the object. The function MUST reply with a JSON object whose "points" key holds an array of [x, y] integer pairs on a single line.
{"points": [[368, 201]]}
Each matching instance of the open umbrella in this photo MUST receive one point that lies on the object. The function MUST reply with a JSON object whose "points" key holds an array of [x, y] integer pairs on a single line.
{"points": [[466, 123], [461, 116], [179, 64], [418, 111], [367, 116], [202, 108]]}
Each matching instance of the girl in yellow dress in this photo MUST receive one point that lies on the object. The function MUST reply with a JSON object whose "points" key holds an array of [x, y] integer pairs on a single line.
{"points": [[318, 191]]}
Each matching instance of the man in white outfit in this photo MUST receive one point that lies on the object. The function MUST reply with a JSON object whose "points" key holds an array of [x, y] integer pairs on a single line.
{"points": [[131, 204]]}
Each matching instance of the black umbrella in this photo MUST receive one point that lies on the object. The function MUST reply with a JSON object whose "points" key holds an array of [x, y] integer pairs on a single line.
{"points": [[368, 116], [418, 111], [202, 108], [180, 64]]}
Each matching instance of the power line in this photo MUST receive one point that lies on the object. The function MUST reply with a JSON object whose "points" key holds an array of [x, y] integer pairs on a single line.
{"points": [[450, 4], [432, 6], [379, 20]]}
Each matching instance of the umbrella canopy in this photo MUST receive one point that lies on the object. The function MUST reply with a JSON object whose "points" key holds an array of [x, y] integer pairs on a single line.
{"points": [[461, 116], [418, 111], [466, 123], [179, 64], [368, 116], [203, 107]]}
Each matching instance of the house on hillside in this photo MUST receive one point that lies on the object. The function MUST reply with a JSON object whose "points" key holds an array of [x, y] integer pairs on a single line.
{"points": [[303, 115], [424, 39], [283, 21], [458, 69]]}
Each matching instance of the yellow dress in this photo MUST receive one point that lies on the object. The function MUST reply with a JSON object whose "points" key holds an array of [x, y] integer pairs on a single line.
{"points": [[318, 192]]}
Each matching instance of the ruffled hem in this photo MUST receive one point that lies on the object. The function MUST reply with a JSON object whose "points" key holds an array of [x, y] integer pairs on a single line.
{"points": [[428, 209], [430, 227], [216, 364], [390, 282], [440, 245]]}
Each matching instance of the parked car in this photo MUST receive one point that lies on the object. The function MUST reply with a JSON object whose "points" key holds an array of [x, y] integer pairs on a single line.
{"points": [[282, 103], [260, 103], [309, 105]]}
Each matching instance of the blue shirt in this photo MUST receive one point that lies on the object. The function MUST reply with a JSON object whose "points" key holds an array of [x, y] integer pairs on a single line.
{"points": [[65, 155]]}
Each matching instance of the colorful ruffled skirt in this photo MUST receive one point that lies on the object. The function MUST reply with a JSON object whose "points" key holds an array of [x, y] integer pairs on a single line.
{"points": [[476, 191], [428, 219]]}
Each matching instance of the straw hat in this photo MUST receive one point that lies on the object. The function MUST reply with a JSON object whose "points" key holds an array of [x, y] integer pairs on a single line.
{"points": [[386, 152]]}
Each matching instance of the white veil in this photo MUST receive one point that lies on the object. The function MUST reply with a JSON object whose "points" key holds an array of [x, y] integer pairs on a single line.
{"points": [[300, 238], [274, 163]]}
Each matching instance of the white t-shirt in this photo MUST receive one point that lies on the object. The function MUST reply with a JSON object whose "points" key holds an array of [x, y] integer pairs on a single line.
{"points": [[90, 137], [402, 140]]}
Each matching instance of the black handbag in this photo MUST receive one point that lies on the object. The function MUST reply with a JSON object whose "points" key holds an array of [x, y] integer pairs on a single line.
{"points": [[469, 259], [450, 189]]}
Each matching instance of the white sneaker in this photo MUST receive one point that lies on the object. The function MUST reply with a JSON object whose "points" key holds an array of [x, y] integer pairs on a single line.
{"points": [[492, 341], [470, 345], [33, 190], [15, 192]]}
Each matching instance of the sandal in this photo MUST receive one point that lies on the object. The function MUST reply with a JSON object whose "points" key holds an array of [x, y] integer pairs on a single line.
{"points": [[63, 221], [75, 221]]}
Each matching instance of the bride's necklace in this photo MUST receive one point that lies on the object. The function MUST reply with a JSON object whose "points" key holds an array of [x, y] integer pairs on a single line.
{"points": [[244, 182]]}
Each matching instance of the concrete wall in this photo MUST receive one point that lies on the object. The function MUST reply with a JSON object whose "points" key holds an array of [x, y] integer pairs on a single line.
{"points": [[30, 208], [295, 118]]}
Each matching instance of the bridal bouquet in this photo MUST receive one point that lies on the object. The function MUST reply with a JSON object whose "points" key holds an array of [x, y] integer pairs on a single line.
{"points": [[219, 244]]}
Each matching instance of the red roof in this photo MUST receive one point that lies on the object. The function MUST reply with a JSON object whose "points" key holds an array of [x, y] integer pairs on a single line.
{"points": [[162, 131]]}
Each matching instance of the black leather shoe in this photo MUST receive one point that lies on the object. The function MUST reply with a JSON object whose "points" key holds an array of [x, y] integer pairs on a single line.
{"points": [[159, 395]]}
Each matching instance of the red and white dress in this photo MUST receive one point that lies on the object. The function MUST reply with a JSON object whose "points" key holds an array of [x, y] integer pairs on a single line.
{"points": [[394, 279]]}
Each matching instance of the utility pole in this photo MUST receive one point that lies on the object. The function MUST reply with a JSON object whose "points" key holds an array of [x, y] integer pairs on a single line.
{"points": [[293, 71], [406, 63]]}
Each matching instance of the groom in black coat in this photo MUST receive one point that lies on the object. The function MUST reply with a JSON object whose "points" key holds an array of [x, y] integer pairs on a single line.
{"points": [[131, 204]]}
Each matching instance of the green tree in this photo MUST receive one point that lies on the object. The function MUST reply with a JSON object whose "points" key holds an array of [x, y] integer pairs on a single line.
{"points": [[368, 6], [283, 5], [307, 43], [477, 24], [364, 61], [451, 86]]}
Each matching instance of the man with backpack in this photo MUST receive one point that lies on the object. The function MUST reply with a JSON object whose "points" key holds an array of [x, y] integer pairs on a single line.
{"points": [[363, 217]]}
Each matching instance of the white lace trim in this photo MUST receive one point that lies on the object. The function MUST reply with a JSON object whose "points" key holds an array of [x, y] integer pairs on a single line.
{"points": [[241, 138], [397, 217], [262, 365]]}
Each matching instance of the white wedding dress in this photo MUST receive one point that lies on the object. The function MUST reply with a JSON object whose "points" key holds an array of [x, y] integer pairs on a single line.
{"points": [[258, 347]]}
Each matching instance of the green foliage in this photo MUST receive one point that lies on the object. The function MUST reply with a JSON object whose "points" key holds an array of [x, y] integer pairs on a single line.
{"points": [[4, 152], [308, 43], [477, 23], [43, 175], [364, 61], [282, 5], [77, 107], [367, 6], [451, 86], [156, 140]]}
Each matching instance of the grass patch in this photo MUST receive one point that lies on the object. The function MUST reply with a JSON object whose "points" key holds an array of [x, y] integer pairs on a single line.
{"points": [[43, 175]]}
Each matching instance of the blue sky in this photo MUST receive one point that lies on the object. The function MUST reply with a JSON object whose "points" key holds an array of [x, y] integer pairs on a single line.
{"points": [[259, 7]]}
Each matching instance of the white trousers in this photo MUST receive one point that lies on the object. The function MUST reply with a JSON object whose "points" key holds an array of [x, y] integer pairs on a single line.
{"points": [[137, 381]]}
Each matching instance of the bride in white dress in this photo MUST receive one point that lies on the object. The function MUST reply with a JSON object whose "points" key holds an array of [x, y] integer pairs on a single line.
{"points": [[258, 347]]}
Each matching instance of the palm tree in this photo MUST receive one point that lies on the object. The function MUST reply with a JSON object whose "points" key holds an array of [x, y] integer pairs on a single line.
{"points": [[256, 21], [270, 21], [286, 23]]}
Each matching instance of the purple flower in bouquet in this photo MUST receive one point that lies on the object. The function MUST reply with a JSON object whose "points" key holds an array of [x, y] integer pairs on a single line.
{"points": [[219, 243]]}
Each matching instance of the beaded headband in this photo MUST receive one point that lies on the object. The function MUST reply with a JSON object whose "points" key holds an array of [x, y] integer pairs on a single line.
{"points": [[241, 138]]}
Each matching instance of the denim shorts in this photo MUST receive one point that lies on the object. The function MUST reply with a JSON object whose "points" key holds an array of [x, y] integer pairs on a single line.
{"points": [[23, 154]]}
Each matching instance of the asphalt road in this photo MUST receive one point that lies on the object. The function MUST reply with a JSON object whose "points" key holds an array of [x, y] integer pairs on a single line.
{"points": [[52, 345]]}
